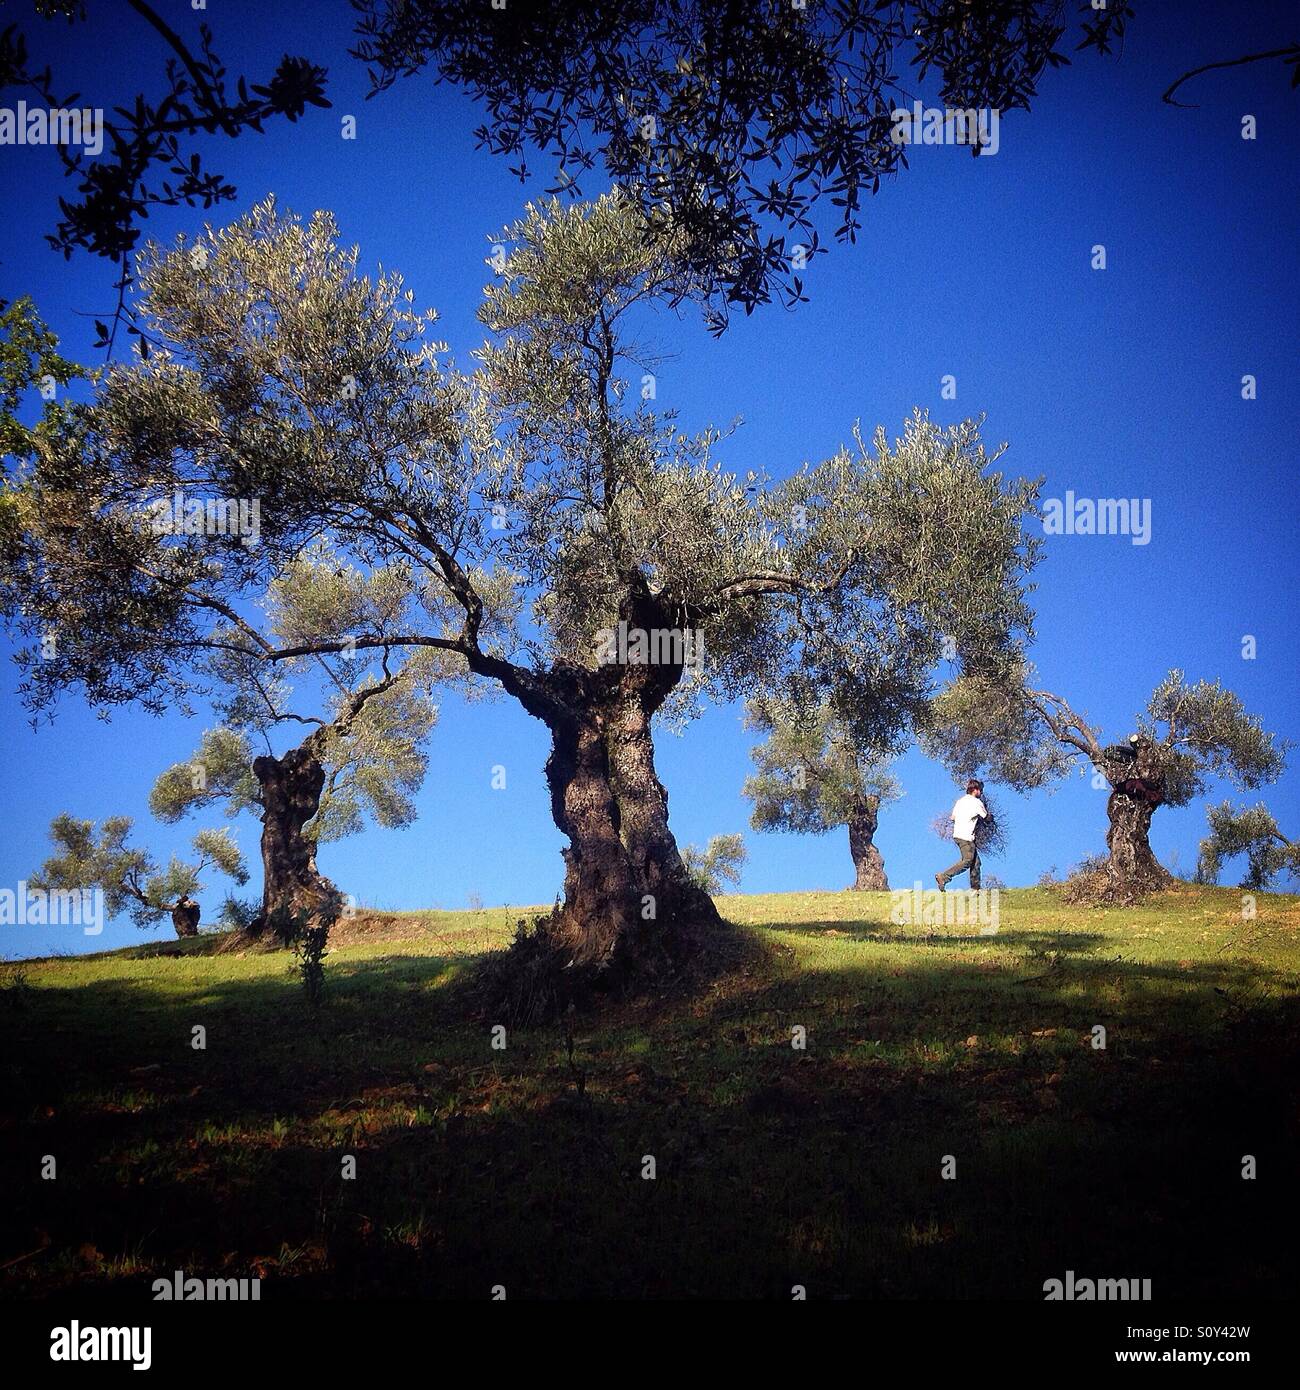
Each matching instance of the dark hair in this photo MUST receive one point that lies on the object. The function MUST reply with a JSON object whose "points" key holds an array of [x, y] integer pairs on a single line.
{"points": [[974, 785]]}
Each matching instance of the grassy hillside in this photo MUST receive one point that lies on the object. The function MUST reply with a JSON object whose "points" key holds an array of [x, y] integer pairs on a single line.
{"points": [[775, 1166]]}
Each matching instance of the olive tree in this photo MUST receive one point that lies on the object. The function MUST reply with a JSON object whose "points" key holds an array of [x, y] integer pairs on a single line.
{"points": [[734, 126], [553, 535], [718, 863], [87, 857], [812, 777], [1189, 733], [363, 756], [1252, 831]]}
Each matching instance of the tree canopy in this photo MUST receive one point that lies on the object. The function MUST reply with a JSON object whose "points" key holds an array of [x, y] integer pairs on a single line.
{"points": [[131, 880], [810, 774], [1248, 830], [1189, 734], [736, 125], [730, 124], [505, 520], [1027, 737]]}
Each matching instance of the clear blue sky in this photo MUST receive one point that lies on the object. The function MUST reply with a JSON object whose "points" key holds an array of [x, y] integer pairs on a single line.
{"points": [[1125, 382]]}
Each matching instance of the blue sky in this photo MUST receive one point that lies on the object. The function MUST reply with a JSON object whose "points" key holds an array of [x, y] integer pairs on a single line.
{"points": [[1117, 383]]}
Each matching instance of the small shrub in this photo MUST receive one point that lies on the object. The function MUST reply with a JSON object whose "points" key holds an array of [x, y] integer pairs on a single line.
{"points": [[309, 947], [717, 864], [1092, 884], [308, 942], [15, 987], [236, 914]]}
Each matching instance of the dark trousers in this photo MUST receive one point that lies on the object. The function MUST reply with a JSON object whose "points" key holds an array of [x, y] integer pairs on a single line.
{"points": [[970, 859]]}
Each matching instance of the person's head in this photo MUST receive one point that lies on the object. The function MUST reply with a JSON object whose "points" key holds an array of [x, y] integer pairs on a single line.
{"points": [[974, 787]]}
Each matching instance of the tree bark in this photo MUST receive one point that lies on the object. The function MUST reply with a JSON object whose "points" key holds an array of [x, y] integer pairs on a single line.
{"points": [[631, 911], [601, 891], [1137, 788], [642, 801], [185, 917], [291, 789], [1133, 864], [867, 859], [628, 899]]}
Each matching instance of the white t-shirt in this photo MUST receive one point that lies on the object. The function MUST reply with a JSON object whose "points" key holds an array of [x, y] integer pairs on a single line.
{"points": [[965, 813]]}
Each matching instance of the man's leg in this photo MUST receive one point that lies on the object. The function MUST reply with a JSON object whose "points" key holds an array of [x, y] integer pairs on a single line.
{"points": [[967, 848], [974, 866]]}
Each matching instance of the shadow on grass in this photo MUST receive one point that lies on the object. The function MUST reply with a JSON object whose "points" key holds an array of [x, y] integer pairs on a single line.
{"points": [[678, 1148], [924, 936]]}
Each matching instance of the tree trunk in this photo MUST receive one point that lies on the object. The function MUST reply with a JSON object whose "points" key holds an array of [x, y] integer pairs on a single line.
{"points": [[1133, 865], [643, 819], [1137, 788], [867, 860], [185, 917], [631, 912], [602, 901], [291, 789]]}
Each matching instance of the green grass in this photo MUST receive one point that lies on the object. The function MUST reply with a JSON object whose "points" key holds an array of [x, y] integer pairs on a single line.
{"points": [[775, 1166]]}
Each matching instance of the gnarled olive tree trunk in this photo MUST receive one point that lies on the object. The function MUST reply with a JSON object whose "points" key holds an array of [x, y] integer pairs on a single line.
{"points": [[628, 899], [290, 791], [1137, 788], [185, 916], [1132, 860], [643, 808], [867, 860], [601, 898]]}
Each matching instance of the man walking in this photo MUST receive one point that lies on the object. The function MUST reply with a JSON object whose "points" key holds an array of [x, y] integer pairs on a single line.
{"points": [[969, 810]]}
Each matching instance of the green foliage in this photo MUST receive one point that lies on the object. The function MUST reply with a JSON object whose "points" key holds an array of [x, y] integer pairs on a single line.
{"points": [[218, 848], [309, 942], [89, 858], [811, 777], [159, 139], [718, 864], [729, 124], [29, 358], [376, 762], [237, 914], [313, 383], [1025, 737], [1251, 831], [129, 878], [220, 772], [309, 947], [285, 376], [1208, 732], [372, 725], [987, 723]]}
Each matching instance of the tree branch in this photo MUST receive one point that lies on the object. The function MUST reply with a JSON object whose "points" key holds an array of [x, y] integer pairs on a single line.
{"points": [[1292, 50]]}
